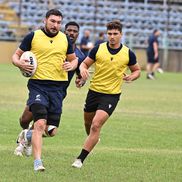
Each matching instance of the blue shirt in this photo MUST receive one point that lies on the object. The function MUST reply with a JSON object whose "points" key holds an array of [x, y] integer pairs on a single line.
{"points": [[151, 40], [84, 41], [81, 57], [99, 41]]}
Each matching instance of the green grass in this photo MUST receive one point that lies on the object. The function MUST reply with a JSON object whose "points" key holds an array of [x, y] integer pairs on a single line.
{"points": [[142, 141]]}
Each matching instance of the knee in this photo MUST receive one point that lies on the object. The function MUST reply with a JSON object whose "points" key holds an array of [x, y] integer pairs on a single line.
{"points": [[23, 123], [95, 127], [40, 125]]}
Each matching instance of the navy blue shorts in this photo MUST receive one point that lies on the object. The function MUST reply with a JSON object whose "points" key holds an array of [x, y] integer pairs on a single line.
{"points": [[100, 101], [48, 95], [151, 59]]}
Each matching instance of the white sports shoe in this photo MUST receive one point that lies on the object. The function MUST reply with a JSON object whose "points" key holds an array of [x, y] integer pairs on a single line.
{"points": [[19, 150], [39, 168], [151, 77], [160, 70], [28, 150], [20, 137], [77, 164], [20, 144], [23, 146]]}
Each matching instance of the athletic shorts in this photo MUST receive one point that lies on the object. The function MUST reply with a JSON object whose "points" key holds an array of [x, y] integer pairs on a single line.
{"points": [[151, 59], [100, 101], [50, 98]]}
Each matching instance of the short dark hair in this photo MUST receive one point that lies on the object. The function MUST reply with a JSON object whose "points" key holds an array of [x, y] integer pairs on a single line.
{"points": [[55, 12], [73, 23], [101, 34], [156, 30], [115, 24]]}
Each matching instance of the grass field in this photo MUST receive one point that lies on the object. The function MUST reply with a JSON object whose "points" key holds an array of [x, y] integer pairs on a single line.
{"points": [[142, 141]]}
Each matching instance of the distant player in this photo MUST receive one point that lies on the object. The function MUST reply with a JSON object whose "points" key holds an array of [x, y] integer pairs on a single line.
{"points": [[47, 86], [86, 44], [153, 55], [111, 61], [100, 39]]}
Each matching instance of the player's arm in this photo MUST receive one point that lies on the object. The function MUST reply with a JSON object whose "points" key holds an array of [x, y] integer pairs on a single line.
{"points": [[88, 61], [155, 47], [134, 68], [24, 46], [16, 57], [85, 66], [135, 73], [71, 63], [79, 81], [21, 63], [71, 59]]}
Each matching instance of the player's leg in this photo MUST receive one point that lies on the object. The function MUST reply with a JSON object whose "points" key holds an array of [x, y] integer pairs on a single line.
{"points": [[149, 67], [53, 122], [39, 127], [150, 73], [105, 106], [156, 66], [90, 108], [95, 102], [54, 111], [19, 150], [24, 138], [26, 118], [88, 117], [160, 70], [22, 144], [50, 130], [99, 119], [40, 118], [25, 145]]}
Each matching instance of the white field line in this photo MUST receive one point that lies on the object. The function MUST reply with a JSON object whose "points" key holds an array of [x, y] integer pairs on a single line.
{"points": [[155, 151]]}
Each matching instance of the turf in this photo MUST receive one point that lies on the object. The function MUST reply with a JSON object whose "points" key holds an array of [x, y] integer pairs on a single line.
{"points": [[140, 142]]}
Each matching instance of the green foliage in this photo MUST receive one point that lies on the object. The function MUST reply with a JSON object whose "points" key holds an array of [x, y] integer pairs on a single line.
{"points": [[140, 142]]}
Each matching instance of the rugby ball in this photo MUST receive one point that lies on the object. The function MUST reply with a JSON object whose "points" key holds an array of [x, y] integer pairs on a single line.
{"points": [[31, 59]]}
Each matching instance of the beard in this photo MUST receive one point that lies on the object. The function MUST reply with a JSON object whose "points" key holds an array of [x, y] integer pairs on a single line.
{"points": [[51, 33]]}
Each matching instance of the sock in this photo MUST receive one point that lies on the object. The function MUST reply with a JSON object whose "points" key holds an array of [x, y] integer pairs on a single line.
{"points": [[37, 162], [29, 135], [83, 155]]}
